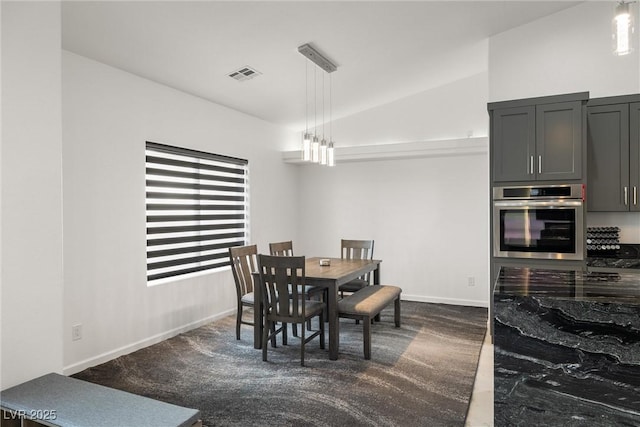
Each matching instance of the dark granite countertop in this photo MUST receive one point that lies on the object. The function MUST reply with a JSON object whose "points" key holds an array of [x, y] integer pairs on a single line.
{"points": [[604, 287], [566, 348], [628, 256]]}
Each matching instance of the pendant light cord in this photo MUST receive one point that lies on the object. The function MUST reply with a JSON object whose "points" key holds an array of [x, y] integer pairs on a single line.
{"points": [[330, 108], [306, 97], [323, 92]]}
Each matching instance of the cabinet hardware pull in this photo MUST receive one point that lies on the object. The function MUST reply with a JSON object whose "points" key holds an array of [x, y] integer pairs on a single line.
{"points": [[635, 196], [626, 196], [539, 164], [531, 165]]}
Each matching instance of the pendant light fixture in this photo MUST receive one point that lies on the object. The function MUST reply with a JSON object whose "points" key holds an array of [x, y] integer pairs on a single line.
{"points": [[315, 147], [623, 29]]}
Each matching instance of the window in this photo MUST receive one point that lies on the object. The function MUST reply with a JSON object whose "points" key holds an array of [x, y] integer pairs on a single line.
{"points": [[197, 207]]}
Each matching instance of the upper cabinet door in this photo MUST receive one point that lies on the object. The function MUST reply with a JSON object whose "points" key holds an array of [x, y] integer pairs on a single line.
{"points": [[559, 141], [513, 133], [608, 158], [634, 156]]}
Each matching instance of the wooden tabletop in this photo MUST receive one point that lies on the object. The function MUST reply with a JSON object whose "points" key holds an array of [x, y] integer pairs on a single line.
{"points": [[340, 269]]}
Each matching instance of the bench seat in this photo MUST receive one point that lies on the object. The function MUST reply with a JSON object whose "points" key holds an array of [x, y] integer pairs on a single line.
{"points": [[367, 303]]}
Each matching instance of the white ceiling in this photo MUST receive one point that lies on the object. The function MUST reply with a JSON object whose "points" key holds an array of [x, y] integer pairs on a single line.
{"points": [[384, 50]]}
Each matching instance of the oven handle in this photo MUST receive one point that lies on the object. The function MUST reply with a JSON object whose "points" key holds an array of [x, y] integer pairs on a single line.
{"points": [[537, 203]]}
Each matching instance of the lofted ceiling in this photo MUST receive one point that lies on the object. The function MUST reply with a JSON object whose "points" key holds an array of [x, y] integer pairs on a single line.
{"points": [[384, 50]]}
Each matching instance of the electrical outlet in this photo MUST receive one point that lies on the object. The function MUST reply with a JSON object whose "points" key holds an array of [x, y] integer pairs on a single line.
{"points": [[76, 332], [471, 281]]}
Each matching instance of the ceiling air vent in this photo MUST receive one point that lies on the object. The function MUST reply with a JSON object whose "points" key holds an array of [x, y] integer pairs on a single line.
{"points": [[244, 73]]}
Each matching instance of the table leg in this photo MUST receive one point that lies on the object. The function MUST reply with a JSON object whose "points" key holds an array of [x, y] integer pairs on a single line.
{"points": [[376, 281], [334, 322]]}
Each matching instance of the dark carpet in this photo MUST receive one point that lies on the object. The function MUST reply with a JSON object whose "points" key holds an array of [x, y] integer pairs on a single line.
{"points": [[421, 374]]}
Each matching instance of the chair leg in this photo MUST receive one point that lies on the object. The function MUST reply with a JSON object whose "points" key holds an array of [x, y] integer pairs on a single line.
{"points": [[324, 297], [397, 312], [366, 323], [302, 339], [265, 337], [284, 333], [321, 330], [238, 320], [273, 334], [294, 328]]}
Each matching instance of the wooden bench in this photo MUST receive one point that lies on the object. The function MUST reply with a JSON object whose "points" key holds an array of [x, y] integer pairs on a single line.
{"points": [[57, 400], [367, 303]]}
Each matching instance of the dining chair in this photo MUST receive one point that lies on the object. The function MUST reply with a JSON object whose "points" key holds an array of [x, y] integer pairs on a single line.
{"points": [[356, 249], [286, 249], [281, 248], [280, 275], [244, 261]]}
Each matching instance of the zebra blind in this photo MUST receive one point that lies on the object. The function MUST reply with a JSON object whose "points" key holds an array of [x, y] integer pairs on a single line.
{"points": [[197, 207]]}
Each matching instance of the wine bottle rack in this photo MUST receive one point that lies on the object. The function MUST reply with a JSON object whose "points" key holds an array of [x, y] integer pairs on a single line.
{"points": [[603, 240]]}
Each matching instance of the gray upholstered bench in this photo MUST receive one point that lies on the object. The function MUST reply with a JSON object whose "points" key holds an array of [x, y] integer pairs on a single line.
{"points": [[367, 303], [56, 400]]}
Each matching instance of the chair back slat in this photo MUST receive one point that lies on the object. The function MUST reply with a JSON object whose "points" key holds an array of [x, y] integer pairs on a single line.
{"points": [[281, 248], [244, 261], [281, 278]]}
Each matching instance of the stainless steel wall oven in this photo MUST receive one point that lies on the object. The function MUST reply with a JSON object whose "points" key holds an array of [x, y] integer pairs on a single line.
{"points": [[543, 222]]}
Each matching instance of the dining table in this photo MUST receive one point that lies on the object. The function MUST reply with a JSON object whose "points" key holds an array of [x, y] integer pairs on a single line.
{"points": [[338, 272]]}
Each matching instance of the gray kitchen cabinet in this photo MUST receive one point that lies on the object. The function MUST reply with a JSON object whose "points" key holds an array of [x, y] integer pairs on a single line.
{"points": [[607, 157], [559, 141], [537, 139], [613, 155], [514, 140]]}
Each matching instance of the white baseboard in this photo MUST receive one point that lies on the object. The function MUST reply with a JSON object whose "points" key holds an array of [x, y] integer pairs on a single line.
{"points": [[451, 301], [110, 355]]}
